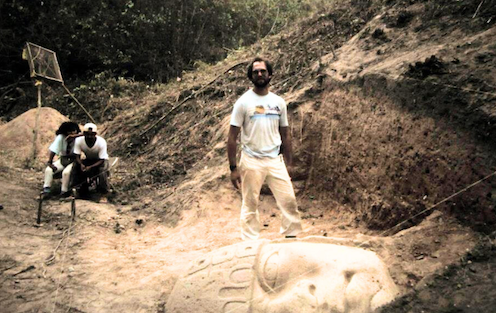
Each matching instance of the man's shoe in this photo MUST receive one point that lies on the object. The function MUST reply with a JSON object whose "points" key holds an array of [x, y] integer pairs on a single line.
{"points": [[45, 194], [102, 199], [66, 194]]}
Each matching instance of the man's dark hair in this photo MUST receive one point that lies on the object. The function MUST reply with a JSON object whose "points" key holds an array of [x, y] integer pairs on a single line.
{"points": [[249, 71], [67, 127]]}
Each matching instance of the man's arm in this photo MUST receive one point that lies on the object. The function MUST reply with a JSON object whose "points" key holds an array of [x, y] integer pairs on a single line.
{"points": [[85, 168], [287, 148], [73, 136], [80, 163], [231, 155], [50, 160], [77, 152], [96, 164], [54, 149]]}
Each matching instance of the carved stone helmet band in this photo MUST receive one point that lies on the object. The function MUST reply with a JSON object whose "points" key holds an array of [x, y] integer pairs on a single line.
{"points": [[221, 281]]}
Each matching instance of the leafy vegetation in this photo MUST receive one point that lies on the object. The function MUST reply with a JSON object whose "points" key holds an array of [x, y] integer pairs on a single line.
{"points": [[145, 39]]}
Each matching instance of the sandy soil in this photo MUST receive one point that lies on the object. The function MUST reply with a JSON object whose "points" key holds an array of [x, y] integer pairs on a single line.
{"points": [[382, 131], [125, 258]]}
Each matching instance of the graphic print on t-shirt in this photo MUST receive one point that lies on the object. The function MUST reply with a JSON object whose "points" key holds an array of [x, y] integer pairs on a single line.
{"points": [[266, 111], [259, 109]]}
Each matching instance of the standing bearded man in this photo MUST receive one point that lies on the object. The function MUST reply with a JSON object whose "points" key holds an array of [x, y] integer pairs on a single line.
{"points": [[262, 118]]}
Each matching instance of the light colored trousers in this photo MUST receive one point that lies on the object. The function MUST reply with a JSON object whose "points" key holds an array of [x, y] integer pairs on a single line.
{"points": [[66, 175], [254, 171]]}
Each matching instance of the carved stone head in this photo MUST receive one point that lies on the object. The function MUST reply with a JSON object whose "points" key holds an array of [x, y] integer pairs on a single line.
{"points": [[284, 276]]}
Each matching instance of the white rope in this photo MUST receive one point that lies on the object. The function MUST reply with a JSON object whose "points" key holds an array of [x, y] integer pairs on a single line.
{"points": [[478, 8], [54, 299]]}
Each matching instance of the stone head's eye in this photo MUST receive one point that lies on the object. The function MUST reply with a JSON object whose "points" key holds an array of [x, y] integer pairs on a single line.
{"points": [[270, 271]]}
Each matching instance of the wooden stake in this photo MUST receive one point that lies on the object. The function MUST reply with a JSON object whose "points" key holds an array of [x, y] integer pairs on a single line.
{"points": [[35, 133], [40, 206]]}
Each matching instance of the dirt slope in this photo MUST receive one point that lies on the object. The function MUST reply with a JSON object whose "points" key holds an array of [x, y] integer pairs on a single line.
{"points": [[385, 136], [16, 136], [379, 93]]}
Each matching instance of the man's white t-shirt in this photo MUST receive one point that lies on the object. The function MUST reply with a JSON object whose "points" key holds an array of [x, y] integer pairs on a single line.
{"points": [[260, 118], [98, 151]]}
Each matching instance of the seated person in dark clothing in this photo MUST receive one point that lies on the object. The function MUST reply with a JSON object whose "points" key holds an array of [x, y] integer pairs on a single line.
{"points": [[95, 167]]}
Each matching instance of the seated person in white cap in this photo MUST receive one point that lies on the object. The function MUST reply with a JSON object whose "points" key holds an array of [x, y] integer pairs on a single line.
{"points": [[95, 165], [62, 147]]}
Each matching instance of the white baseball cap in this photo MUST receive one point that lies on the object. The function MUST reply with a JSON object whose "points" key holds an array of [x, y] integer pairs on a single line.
{"points": [[89, 127]]}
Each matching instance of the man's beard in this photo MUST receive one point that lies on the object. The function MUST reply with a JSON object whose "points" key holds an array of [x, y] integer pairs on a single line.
{"points": [[261, 84]]}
